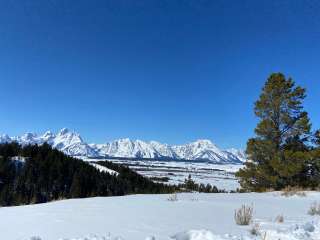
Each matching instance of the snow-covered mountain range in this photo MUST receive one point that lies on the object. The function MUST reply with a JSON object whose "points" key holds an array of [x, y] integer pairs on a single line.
{"points": [[72, 144]]}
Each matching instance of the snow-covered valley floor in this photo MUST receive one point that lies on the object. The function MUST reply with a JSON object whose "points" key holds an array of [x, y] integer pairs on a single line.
{"points": [[140, 217], [220, 175]]}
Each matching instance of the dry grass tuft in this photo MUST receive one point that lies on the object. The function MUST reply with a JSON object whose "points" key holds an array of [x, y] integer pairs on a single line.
{"points": [[314, 209], [293, 191], [255, 230], [243, 215], [280, 219], [173, 197], [264, 236]]}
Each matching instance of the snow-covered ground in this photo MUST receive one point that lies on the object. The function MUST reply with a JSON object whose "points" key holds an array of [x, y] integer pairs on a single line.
{"points": [[104, 169], [219, 175], [139, 217]]}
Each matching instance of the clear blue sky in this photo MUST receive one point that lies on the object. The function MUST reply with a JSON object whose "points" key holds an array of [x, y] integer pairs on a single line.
{"points": [[172, 71]]}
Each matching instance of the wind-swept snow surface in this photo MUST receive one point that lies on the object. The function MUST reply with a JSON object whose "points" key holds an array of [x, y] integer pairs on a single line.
{"points": [[139, 217]]}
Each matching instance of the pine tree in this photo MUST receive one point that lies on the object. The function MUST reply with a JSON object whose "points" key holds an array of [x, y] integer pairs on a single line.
{"points": [[317, 138], [278, 154]]}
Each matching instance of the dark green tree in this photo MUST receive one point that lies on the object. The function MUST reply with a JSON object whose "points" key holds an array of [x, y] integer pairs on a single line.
{"points": [[37, 174], [278, 154]]}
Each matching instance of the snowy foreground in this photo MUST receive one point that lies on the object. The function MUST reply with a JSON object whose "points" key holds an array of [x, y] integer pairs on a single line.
{"points": [[152, 217]]}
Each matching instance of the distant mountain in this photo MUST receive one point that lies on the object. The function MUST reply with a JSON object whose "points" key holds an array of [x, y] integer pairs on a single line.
{"points": [[239, 153], [72, 144], [65, 140]]}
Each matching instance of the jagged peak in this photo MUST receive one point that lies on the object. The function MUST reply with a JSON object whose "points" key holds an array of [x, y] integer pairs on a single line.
{"points": [[152, 142], [123, 140], [5, 138], [204, 141], [71, 143], [29, 135], [67, 132], [48, 134], [63, 131]]}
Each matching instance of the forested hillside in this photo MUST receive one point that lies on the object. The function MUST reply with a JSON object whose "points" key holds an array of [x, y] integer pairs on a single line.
{"points": [[38, 174]]}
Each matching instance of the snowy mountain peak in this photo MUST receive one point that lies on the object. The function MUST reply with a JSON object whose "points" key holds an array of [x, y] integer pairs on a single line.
{"points": [[203, 142], [239, 153], [4, 138], [29, 136], [48, 137], [48, 134], [124, 140], [66, 138], [71, 143], [64, 131]]}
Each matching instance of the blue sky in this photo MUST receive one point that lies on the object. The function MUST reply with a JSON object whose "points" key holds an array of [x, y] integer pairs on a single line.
{"points": [[172, 71]]}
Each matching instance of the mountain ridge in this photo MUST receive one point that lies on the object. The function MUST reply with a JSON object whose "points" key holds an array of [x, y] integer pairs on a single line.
{"points": [[72, 144]]}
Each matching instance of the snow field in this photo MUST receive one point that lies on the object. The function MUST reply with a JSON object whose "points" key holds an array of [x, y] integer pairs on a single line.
{"points": [[139, 217]]}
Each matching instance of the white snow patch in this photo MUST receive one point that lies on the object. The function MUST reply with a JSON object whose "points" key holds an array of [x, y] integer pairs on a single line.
{"points": [[195, 235], [104, 169]]}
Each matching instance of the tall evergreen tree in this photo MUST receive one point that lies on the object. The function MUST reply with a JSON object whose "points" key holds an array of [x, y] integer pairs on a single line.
{"points": [[314, 162], [279, 151]]}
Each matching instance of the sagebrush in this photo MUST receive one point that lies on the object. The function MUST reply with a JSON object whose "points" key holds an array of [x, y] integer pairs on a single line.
{"points": [[243, 215]]}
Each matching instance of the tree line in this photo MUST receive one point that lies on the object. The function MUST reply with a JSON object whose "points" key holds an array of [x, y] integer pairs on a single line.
{"points": [[189, 185], [285, 151], [38, 174]]}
